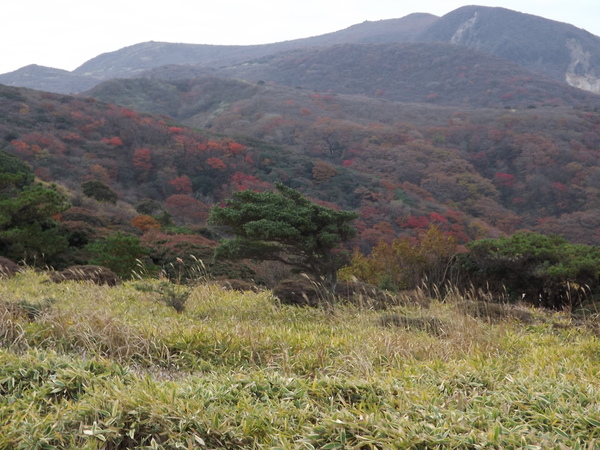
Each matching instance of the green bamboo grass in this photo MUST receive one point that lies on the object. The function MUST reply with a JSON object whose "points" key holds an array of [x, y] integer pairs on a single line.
{"points": [[85, 366]]}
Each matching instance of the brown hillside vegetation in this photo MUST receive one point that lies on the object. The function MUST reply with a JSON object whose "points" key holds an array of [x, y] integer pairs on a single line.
{"points": [[474, 172], [437, 73], [533, 167]]}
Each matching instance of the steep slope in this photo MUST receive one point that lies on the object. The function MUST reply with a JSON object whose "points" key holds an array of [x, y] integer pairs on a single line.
{"points": [[406, 29], [556, 49]]}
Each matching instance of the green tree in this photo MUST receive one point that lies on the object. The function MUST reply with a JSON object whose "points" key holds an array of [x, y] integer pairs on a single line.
{"points": [[27, 230], [545, 270], [285, 226], [119, 252], [99, 191]]}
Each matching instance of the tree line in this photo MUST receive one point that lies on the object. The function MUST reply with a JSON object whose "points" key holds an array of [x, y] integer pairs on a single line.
{"points": [[288, 227]]}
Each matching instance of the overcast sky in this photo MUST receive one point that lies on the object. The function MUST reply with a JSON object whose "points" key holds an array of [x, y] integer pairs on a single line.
{"points": [[66, 33]]}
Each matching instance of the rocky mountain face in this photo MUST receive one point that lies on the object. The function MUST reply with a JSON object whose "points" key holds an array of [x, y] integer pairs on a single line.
{"points": [[558, 50]]}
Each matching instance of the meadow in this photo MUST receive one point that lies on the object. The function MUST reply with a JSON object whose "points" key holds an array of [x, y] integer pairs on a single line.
{"points": [[98, 367]]}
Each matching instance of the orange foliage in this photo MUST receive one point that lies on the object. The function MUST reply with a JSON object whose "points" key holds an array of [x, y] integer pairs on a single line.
{"points": [[21, 147], [215, 146], [241, 181], [234, 148], [114, 141], [142, 158], [100, 173], [145, 223], [323, 172], [404, 263], [216, 163]]}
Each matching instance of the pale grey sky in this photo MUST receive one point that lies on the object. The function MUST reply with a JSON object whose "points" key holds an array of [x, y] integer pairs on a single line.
{"points": [[66, 33]]}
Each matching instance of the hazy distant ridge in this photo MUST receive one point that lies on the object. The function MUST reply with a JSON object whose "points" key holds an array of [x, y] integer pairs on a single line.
{"points": [[557, 50]]}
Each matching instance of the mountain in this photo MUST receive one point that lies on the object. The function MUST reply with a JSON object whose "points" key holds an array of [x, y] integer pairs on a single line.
{"points": [[47, 79], [558, 50], [130, 61], [435, 73], [406, 29], [133, 60], [407, 134], [411, 72]]}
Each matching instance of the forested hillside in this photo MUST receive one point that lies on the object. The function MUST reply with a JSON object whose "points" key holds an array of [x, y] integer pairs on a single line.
{"points": [[407, 134], [437, 73], [534, 167]]}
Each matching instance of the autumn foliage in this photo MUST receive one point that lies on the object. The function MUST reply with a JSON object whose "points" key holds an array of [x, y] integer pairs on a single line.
{"points": [[406, 263], [186, 209], [145, 223]]}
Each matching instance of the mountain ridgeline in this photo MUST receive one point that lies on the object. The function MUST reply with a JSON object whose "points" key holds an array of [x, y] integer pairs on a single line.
{"points": [[557, 50]]}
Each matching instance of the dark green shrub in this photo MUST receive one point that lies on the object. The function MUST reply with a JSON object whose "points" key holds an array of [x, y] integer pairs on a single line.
{"points": [[99, 191], [149, 207], [543, 270], [120, 252], [27, 230]]}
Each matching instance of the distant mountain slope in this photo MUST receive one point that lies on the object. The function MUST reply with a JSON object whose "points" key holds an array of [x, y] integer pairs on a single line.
{"points": [[559, 50], [406, 29], [438, 73], [133, 60], [130, 61], [47, 79], [178, 98], [475, 172], [434, 73]]}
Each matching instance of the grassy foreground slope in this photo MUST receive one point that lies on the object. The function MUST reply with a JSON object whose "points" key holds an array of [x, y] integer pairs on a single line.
{"points": [[83, 366]]}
